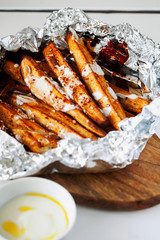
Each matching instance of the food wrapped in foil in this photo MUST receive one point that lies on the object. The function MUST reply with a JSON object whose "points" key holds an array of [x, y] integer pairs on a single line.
{"points": [[118, 148]]}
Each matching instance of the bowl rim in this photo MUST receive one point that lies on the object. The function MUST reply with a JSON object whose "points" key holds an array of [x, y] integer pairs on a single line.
{"points": [[39, 180]]}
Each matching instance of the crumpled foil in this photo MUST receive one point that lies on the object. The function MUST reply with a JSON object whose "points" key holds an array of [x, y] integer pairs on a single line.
{"points": [[118, 148]]}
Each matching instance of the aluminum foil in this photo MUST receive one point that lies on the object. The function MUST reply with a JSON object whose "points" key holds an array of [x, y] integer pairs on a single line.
{"points": [[118, 148]]}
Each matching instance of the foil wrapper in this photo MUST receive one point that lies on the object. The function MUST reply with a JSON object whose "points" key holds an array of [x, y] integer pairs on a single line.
{"points": [[118, 148]]}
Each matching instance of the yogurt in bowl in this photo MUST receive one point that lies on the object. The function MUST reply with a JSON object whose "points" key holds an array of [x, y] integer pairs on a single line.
{"points": [[35, 209]]}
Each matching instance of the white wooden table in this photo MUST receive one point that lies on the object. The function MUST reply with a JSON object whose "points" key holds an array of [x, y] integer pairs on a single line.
{"points": [[93, 224]]}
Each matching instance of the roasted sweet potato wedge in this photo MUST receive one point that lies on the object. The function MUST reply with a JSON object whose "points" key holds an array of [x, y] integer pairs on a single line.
{"points": [[129, 101], [46, 69], [51, 93], [72, 84], [48, 117], [93, 77], [128, 114], [14, 71], [31, 134], [9, 86]]}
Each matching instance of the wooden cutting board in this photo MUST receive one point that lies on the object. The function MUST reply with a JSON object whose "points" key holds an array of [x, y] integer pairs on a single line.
{"points": [[135, 187]]}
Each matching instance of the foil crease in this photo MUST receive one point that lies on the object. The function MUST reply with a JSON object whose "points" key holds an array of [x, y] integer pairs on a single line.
{"points": [[27, 39], [117, 148]]}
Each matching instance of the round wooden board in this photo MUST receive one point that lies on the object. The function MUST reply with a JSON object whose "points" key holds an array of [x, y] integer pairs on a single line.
{"points": [[135, 187]]}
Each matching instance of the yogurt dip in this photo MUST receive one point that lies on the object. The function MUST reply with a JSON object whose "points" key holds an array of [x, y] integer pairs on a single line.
{"points": [[33, 216]]}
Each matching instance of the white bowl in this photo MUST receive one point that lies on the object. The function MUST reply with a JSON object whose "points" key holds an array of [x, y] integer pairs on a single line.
{"points": [[21, 186]]}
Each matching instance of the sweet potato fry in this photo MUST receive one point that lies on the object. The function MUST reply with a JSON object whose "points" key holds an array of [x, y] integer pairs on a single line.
{"points": [[93, 77], [72, 84], [13, 70], [46, 69], [129, 101], [51, 119], [128, 114], [10, 86], [51, 93], [31, 134]]}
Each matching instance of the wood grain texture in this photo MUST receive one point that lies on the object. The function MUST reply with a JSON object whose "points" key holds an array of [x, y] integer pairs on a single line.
{"points": [[135, 187]]}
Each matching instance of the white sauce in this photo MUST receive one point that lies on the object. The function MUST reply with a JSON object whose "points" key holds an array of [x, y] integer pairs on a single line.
{"points": [[43, 85], [17, 117], [112, 93], [33, 216], [107, 111], [60, 105], [96, 68], [86, 71], [50, 55], [68, 107], [97, 48], [43, 89], [97, 95], [106, 98], [92, 67], [68, 79], [66, 71], [16, 65], [51, 124], [131, 96]]}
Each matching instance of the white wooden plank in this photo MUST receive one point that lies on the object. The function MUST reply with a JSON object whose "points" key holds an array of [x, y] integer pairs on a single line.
{"points": [[83, 4], [145, 23]]}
